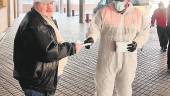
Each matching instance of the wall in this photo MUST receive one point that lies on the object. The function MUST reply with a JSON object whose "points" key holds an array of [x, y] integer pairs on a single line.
{"points": [[4, 19], [26, 8], [7, 15]]}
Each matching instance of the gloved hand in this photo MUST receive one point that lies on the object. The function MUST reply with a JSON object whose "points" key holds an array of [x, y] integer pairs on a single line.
{"points": [[132, 47], [88, 40]]}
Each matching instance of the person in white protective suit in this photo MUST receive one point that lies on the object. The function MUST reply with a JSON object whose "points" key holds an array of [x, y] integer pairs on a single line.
{"points": [[122, 29]]}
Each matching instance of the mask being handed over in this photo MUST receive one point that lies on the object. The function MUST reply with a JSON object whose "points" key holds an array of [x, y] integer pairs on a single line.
{"points": [[119, 5]]}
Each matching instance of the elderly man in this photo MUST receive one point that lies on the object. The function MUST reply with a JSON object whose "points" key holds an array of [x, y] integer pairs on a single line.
{"points": [[37, 50], [122, 30]]}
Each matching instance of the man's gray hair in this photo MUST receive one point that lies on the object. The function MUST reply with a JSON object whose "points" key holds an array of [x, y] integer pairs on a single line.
{"points": [[35, 4], [43, 1]]}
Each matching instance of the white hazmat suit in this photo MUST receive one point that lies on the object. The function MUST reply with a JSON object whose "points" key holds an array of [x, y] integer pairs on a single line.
{"points": [[117, 68]]}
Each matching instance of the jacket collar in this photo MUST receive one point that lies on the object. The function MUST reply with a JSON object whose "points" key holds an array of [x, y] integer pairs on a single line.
{"points": [[39, 16]]}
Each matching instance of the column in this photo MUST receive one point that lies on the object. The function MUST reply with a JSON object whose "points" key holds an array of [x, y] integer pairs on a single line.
{"points": [[9, 13], [68, 8], [16, 9], [61, 6], [81, 10], [18, 6]]}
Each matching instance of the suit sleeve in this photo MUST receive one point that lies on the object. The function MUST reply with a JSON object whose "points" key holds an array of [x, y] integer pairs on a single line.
{"points": [[48, 48], [153, 18], [95, 26], [143, 35]]}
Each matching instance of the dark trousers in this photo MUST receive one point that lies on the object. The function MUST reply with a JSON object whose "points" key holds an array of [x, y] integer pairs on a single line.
{"points": [[29, 92], [168, 54], [32, 92], [163, 37]]}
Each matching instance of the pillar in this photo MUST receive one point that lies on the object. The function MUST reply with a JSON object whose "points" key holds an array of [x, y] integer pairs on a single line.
{"points": [[68, 8], [16, 9], [61, 6], [9, 13], [81, 10]]}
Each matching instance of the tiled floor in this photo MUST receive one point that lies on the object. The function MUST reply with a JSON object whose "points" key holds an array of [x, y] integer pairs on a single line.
{"points": [[152, 78]]}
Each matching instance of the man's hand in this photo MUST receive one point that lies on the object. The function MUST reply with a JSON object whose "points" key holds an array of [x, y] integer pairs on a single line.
{"points": [[88, 40], [132, 47], [78, 47]]}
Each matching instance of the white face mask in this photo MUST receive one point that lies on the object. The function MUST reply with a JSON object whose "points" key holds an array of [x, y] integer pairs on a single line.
{"points": [[120, 6]]}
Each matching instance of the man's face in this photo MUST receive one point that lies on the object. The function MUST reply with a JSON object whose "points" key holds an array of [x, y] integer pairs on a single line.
{"points": [[161, 5], [46, 8], [42, 7], [51, 7]]}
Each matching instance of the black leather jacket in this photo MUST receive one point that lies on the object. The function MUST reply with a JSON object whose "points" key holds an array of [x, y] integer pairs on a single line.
{"points": [[37, 52]]}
